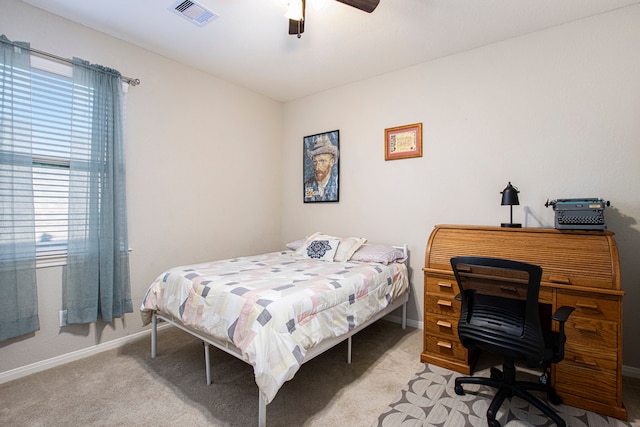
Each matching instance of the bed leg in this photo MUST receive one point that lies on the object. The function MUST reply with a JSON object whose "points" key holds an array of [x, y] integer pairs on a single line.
{"points": [[404, 316], [349, 349], [154, 336], [207, 362], [262, 411]]}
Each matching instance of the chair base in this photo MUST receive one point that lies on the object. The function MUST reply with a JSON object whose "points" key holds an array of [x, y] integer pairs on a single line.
{"points": [[506, 385]]}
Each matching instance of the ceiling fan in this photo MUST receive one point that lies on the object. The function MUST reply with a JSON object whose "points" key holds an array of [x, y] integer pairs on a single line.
{"points": [[296, 26]]}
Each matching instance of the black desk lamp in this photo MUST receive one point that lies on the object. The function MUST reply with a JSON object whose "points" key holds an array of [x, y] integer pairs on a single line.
{"points": [[510, 198]]}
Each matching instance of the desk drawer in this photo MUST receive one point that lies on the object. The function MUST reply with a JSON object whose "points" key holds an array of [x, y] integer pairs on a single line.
{"points": [[449, 286], [442, 304], [441, 285], [442, 326], [601, 307], [590, 382], [589, 361], [592, 341], [446, 348]]}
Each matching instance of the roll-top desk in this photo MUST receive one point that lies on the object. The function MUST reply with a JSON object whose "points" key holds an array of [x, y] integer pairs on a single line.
{"points": [[580, 269]]}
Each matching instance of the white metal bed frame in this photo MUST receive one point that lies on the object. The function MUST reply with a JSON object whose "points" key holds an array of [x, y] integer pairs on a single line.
{"points": [[310, 354]]}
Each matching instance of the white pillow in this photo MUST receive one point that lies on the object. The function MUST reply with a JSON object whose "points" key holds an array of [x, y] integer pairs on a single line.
{"points": [[379, 253], [348, 245], [296, 244], [321, 247], [302, 248]]}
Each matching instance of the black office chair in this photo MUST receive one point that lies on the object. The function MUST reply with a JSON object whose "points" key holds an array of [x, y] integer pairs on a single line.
{"points": [[500, 315]]}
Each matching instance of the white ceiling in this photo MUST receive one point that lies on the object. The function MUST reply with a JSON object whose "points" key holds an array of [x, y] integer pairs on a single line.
{"points": [[249, 43]]}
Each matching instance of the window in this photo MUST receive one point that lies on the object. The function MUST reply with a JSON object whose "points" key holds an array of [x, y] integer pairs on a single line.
{"points": [[62, 159], [52, 116], [51, 119]]}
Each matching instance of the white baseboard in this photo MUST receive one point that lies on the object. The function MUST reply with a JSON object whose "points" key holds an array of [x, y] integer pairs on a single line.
{"points": [[43, 365], [23, 371], [398, 319]]}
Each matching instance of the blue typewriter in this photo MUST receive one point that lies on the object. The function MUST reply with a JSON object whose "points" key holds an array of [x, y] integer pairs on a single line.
{"points": [[579, 214]]}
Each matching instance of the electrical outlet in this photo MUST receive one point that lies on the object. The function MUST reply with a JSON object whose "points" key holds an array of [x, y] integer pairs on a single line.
{"points": [[62, 317]]}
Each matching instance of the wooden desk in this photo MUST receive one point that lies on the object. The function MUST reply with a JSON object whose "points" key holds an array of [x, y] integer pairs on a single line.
{"points": [[580, 269]]}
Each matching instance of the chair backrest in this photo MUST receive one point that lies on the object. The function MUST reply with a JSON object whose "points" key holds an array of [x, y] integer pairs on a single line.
{"points": [[499, 311]]}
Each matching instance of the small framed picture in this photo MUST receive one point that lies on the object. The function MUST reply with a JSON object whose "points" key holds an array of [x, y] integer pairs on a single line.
{"points": [[321, 161], [403, 142]]}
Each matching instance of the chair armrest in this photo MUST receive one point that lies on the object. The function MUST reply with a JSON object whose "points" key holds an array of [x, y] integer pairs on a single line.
{"points": [[562, 314]]}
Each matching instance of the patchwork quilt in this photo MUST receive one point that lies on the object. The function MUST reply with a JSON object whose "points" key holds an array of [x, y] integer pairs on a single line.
{"points": [[275, 306]]}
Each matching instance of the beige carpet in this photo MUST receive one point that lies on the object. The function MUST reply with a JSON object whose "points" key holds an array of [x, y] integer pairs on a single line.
{"points": [[126, 387]]}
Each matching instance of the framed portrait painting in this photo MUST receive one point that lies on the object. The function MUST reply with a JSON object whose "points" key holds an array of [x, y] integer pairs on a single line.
{"points": [[321, 161]]}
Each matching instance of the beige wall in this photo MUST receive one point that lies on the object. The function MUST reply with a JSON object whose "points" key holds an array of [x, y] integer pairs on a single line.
{"points": [[555, 112], [203, 173]]}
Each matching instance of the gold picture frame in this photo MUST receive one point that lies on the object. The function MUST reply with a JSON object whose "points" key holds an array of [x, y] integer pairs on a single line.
{"points": [[403, 142]]}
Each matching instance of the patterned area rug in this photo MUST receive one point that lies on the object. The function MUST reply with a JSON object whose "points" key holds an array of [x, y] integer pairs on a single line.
{"points": [[429, 400]]}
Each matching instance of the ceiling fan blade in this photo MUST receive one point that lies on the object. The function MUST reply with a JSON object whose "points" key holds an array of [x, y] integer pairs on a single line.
{"points": [[297, 27], [365, 5]]}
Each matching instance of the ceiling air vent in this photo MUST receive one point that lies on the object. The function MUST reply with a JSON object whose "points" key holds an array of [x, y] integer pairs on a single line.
{"points": [[193, 12]]}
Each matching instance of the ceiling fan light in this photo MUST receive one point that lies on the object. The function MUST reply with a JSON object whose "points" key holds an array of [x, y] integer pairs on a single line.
{"points": [[294, 11]]}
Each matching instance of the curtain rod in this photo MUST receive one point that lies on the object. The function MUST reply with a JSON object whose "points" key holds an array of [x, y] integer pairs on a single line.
{"points": [[129, 80]]}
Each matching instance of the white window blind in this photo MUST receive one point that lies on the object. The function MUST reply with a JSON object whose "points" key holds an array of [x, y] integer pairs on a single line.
{"points": [[15, 176], [51, 131]]}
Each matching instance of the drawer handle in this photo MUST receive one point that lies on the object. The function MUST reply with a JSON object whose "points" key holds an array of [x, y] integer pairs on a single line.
{"points": [[581, 361], [444, 344], [588, 306], [560, 279], [444, 284], [582, 328], [444, 303], [509, 289], [444, 324]]}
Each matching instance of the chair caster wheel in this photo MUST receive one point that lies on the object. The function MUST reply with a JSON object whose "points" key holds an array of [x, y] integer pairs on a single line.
{"points": [[459, 390]]}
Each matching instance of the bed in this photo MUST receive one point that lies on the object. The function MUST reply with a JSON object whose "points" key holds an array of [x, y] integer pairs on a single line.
{"points": [[279, 310]]}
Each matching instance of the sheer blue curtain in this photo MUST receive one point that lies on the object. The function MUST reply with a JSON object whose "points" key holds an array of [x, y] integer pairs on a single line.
{"points": [[18, 291], [97, 272]]}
